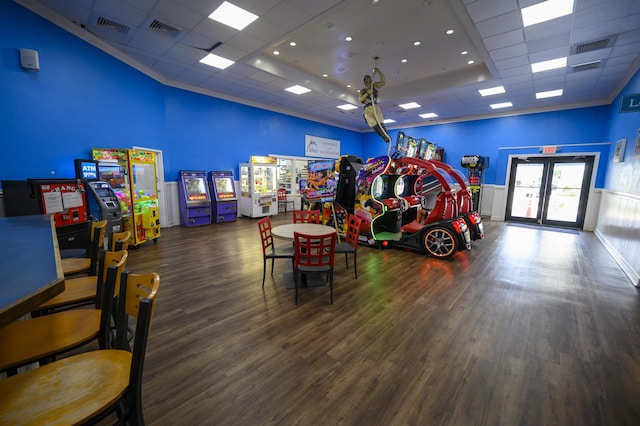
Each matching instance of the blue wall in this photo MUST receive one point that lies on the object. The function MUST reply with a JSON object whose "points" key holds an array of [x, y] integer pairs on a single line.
{"points": [[82, 98]]}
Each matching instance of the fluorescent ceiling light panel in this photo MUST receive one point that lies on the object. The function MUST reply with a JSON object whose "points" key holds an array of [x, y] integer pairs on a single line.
{"points": [[429, 115], [549, 94], [216, 61], [491, 91], [388, 121], [298, 90], [347, 107], [551, 64], [233, 16], [546, 11], [501, 105], [410, 105]]}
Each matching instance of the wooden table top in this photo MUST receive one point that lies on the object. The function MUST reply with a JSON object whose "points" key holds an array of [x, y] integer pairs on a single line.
{"points": [[29, 265], [286, 231]]}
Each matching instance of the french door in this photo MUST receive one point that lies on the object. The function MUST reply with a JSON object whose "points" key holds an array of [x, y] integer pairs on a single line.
{"points": [[549, 190]]}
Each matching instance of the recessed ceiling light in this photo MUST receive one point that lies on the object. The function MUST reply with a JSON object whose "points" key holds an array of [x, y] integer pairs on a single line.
{"points": [[349, 86], [464, 52], [449, 32], [375, 1], [410, 105], [216, 61], [233, 16], [429, 115], [325, 75], [546, 11], [297, 89], [347, 107], [416, 43], [551, 64], [388, 121], [471, 62], [276, 52], [549, 94], [348, 38], [491, 91], [293, 44], [501, 105], [403, 60]]}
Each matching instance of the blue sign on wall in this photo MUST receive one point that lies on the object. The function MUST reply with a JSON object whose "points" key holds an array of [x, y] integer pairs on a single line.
{"points": [[630, 103]]}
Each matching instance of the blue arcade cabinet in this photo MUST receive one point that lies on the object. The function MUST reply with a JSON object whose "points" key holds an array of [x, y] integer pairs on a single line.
{"points": [[225, 200], [195, 199]]}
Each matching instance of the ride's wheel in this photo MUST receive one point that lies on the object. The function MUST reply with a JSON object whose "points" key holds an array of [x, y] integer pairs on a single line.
{"points": [[439, 242]]}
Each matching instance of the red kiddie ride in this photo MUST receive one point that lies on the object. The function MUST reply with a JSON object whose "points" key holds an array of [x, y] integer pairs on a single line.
{"points": [[422, 205]]}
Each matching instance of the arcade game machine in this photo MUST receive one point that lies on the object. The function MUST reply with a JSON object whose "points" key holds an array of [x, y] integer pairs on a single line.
{"points": [[320, 194], [347, 167], [113, 168], [144, 196], [223, 194], [103, 203], [194, 198], [65, 199], [258, 190], [475, 165]]}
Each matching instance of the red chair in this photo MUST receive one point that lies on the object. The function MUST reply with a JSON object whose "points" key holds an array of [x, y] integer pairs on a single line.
{"points": [[350, 244], [307, 216], [269, 251], [313, 254], [283, 200]]}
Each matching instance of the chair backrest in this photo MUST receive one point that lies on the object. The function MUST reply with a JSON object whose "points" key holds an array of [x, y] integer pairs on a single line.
{"points": [[107, 292], [314, 250], [137, 298], [282, 194], [108, 259], [264, 225], [353, 230], [307, 216], [119, 240], [96, 244]]}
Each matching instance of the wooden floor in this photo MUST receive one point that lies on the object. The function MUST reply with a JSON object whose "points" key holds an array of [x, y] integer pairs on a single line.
{"points": [[531, 327]]}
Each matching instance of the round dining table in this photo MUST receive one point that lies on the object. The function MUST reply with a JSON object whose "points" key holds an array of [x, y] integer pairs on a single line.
{"points": [[286, 231]]}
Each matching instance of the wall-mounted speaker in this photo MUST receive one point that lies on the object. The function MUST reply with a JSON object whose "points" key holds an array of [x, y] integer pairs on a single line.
{"points": [[29, 59]]}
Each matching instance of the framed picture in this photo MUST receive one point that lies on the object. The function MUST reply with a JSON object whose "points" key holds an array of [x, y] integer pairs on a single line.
{"points": [[618, 156], [636, 151]]}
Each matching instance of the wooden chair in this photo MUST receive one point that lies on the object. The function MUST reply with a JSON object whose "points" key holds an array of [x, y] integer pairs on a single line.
{"points": [[269, 251], [42, 338], [350, 244], [283, 201], [119, 241], [87, 264], [313, 254], [90, 386], [82, 291], [307, 216]]}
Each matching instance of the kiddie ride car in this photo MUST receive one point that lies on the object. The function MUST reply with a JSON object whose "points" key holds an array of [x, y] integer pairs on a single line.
{"points": [[393, 196]]}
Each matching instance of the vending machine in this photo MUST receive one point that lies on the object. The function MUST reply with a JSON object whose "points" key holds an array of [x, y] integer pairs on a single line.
{"points": [[144, 196], [258, 190], [195, 199], [102, 201], [113, 168], [223, 194]]}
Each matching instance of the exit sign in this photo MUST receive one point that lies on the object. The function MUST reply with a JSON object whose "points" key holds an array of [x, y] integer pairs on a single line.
{"points": [[630, 103], [549, 149]]}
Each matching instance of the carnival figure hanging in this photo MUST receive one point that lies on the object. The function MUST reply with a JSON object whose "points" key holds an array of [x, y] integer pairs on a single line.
{"points": [[369, 98]]}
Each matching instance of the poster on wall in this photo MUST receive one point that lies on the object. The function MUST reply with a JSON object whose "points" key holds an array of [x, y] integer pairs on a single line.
{"points": [[618, 156], [315, 146]]}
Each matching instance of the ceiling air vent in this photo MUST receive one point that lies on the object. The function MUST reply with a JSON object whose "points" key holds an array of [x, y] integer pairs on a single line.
{"points": [[164, 29], [111, 25], [586, 66], [590, 46]]}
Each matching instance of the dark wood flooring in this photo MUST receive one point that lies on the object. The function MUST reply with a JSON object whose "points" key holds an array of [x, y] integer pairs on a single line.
{"points": [[530, 327]]}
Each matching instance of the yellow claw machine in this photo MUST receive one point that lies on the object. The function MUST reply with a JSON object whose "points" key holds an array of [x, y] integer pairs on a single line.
{"points": [[258, 195], [144, 196]]}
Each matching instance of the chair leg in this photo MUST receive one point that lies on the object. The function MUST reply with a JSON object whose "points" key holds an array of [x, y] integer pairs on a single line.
{"points": [[295, 283], [264, 270], [355, 264], [346, 259], [331, 285]]}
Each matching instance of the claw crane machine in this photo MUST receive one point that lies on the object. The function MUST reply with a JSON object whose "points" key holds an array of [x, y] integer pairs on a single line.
{"points": [[144, 196], [258, 190], [113, 168]]}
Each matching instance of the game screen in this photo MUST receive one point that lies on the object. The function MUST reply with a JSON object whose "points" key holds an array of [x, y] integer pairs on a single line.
{"points": [[321, 181], [224, 188], [385, 186], [113, 174], [195, 188]]}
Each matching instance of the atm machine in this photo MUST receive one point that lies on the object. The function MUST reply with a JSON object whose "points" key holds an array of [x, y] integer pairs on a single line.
{"points": [[103, 203]]}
